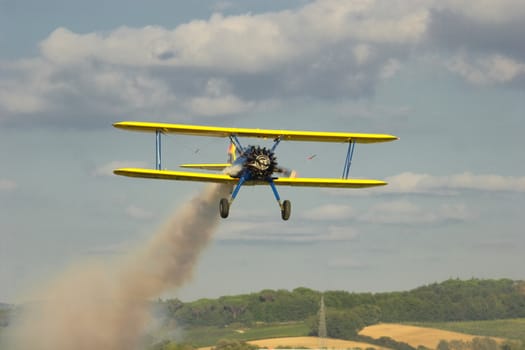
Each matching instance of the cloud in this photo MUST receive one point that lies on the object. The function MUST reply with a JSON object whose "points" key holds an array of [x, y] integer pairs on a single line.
{"points": [[276, 231], [407, 213], [336, 222], [488, 69], [391, 212], [329, 212], [7, 185], [210, 106], [232, 64], [107, 169], [446, 185], [244, 43], [482, 43], [223, 65]]}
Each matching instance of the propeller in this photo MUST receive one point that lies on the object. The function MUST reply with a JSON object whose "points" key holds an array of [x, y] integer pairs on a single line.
{"points": [[261, 162], [286, 172]]}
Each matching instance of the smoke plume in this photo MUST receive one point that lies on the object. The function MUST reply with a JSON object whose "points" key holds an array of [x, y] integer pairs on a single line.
{"points": [[105, 305]]}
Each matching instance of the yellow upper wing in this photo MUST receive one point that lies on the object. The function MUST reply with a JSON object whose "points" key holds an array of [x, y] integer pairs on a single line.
{"points": [[289, 135], [226, 179]]}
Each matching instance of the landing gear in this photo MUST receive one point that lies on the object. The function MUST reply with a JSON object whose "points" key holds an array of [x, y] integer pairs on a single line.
{"points": [[286, 210], [225, 203], [224, 208]]}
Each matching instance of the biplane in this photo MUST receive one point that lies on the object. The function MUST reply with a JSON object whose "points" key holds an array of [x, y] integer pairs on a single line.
{"points": [[250, 165]]}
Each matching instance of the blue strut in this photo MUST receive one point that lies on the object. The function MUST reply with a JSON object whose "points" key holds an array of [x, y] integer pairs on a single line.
{"points": [[158, 155], [236, 142], [348, 161], [275, 193], [242, 179], [276, 143]]}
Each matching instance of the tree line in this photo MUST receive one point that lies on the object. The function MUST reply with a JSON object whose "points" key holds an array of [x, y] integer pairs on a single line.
{"points": [[451, 300]]}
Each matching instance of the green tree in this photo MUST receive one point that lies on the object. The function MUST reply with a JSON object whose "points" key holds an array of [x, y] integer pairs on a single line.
{"points": [[343, 324], [443, 345], [167, 345], [484, 344]]}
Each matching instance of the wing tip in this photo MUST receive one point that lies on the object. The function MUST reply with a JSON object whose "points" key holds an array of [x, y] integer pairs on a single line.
{"points": [[121, 171]]}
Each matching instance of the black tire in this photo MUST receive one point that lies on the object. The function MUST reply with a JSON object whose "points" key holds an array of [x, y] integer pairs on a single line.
{"points": [[286, 210], [224, 208]]}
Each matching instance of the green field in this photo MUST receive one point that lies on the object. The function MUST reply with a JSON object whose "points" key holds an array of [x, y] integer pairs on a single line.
{"points": [[206, 336], [510, 329]]}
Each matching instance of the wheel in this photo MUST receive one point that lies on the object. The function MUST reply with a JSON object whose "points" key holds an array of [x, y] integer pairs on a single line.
{"points": [[286, 210], [224, 208]]}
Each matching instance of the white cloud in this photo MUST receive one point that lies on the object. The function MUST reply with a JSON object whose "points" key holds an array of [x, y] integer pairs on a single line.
{"points": [[7, 185], [390, 68], [218, 100], [404, 212], [223, 105], [391, 212], [329, 212], [362, 53], [487, 69], [276, 231], [107, 169], [244, 43], [17, 101], [223, 65], [238, 63], [49, 91], [24, 85], [424, 183], [481, 43], [448, 185]]}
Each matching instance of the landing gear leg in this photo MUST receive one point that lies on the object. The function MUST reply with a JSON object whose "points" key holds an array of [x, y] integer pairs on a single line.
{"points": [[224, 204], [286, 206]]}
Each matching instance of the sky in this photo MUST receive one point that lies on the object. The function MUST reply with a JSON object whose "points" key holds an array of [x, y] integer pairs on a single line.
{"points": [[445, 76]]}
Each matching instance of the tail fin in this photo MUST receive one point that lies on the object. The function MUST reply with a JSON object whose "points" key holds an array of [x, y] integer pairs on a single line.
{"points": [[232, 153]]}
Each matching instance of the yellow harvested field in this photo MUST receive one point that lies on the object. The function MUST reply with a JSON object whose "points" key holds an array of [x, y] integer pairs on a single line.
{"points": [[311, 342], [415, 336]]}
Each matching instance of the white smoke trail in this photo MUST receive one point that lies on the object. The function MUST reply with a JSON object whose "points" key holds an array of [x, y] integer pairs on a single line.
{"points": [[105, 306]]}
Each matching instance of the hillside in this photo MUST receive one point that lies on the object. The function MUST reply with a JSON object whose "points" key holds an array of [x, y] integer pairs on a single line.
{"points": [[451, 300], [281, 313], [473, 307]]}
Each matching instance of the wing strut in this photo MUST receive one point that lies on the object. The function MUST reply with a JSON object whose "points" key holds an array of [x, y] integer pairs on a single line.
{"points": [[235, 141], [276, 143], [348, 161], [158, 150]]}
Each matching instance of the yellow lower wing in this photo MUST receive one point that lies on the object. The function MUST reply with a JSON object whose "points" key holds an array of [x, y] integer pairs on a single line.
{"points": [[327, 182], [175, 175], [226, 179]]}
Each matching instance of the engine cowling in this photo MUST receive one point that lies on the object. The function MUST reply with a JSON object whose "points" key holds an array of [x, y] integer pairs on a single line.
{"points": [[260, 161]]}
